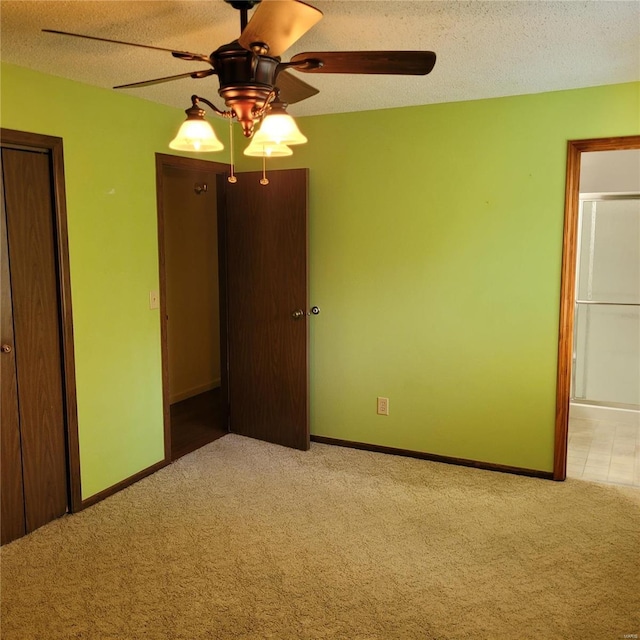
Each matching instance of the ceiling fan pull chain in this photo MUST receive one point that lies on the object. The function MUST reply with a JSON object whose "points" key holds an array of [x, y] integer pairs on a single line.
{"points": [[264, 180], [232, 179]]}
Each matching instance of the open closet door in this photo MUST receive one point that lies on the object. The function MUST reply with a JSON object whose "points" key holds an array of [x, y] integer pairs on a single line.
{"points": [[267, 304]]}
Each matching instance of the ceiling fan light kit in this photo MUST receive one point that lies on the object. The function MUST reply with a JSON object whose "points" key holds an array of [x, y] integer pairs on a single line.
{"points": [[195, 133], [279, 127], [256, 85], [266, 149]]}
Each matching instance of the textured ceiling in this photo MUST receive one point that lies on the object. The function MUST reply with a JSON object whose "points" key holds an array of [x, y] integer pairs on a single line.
{"points": [[485, 48]]}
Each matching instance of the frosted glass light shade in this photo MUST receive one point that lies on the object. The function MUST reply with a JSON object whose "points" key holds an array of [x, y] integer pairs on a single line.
{"points": [[196, 134], [267, 149], [279, 127]]}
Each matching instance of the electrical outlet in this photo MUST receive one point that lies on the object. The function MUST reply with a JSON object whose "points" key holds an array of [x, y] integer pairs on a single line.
{"points": [[383, 406], [154, 300]]}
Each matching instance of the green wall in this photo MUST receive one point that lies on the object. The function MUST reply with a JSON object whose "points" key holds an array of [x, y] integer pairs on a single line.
{"points": [[435, 248], [109, 144], [436, 242]]}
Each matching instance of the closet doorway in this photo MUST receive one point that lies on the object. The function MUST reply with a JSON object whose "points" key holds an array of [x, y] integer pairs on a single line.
{"points": [[191, 303]]}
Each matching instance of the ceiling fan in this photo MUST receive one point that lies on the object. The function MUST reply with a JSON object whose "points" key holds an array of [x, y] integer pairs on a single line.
{"points": [[251, 74]]}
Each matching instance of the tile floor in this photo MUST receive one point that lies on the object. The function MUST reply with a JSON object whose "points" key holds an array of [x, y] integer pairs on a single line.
{"points": [[604, 451]]}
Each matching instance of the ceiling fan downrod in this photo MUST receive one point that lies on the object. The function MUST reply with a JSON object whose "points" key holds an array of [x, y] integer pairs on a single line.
{"points": [[243, 6]]}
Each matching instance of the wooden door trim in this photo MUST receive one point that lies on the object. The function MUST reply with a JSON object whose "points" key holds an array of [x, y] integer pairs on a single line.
{"points": [[575, 148], [54, 146], [163, 161]]}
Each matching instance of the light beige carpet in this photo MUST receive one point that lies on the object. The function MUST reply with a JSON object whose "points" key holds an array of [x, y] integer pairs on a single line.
{"points": [[249, 540]]}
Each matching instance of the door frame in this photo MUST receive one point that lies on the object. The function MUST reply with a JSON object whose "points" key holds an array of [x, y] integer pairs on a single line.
{"points": [[54, 147], [575, 148], [163, 161]]}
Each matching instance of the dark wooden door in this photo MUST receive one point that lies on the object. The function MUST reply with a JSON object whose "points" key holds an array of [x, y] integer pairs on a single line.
{"points": [[266, 283], [36, 341], [12, 523]]}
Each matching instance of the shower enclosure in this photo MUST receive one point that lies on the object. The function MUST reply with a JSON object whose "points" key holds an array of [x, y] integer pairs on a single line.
{"points": [[606, 350]]}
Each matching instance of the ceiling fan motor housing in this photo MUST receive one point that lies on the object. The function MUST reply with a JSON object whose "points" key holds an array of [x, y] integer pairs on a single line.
{"points": [[246, 80]]}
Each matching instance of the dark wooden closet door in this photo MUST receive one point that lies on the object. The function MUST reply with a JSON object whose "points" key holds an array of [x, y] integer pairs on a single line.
{"points": [[12, 522], [36, 320]]}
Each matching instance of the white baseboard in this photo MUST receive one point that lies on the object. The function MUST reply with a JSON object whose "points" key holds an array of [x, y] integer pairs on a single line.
{"points": [[194, 391], [610, 414]]}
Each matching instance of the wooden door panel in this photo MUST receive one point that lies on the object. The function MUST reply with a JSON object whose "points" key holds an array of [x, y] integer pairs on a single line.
{"points": [[32, 255], [12, 514], [266, 239]]}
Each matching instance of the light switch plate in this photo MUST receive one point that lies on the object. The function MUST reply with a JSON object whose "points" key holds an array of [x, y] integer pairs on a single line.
{"points": [[154, 300]]}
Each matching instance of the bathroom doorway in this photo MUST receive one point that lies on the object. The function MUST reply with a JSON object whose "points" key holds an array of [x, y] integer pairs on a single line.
{"points": [[603, 413]]}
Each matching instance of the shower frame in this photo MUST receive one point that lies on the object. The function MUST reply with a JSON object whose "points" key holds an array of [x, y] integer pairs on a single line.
{"points": [[593, 197]]}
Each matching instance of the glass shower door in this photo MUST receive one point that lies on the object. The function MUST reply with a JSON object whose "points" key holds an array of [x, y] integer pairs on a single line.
{"points": [[606, 354]]}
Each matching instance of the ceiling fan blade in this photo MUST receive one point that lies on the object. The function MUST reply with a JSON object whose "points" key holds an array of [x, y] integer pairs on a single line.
{"points": [[409, 63], [185, 55], [145, 83], [292, 89], [278, 24]]}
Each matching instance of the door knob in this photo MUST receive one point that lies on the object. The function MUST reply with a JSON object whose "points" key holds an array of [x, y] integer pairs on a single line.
{"points": [[6, 348], [299, 313]]}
